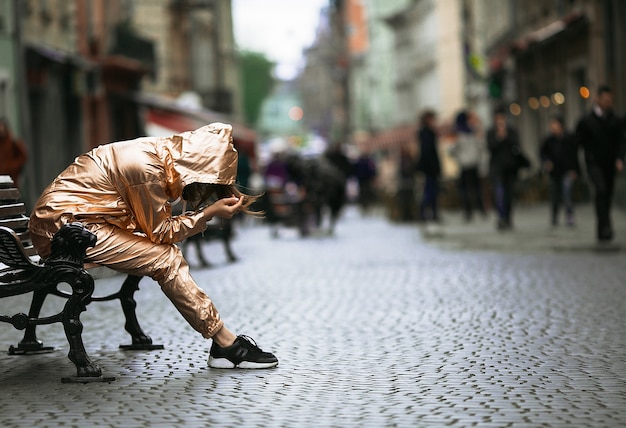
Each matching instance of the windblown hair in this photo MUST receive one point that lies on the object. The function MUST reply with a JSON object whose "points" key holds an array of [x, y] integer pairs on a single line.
{"points": [[200, 195]]}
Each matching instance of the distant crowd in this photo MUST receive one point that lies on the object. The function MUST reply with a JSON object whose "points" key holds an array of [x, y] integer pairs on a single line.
{"points": [[489, 163]]}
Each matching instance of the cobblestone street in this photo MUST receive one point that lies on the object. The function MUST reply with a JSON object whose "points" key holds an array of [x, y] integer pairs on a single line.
{"points": [[377, 326]]}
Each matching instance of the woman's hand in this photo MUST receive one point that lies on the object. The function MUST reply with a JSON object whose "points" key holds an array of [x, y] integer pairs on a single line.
{"points": [[225, 207]]}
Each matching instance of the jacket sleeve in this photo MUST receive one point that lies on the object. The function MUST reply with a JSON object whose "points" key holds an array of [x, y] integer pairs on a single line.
{"points": [[153, 214]]}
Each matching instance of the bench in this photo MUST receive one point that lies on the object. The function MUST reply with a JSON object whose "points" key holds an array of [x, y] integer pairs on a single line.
{"points": [[22, 271]]}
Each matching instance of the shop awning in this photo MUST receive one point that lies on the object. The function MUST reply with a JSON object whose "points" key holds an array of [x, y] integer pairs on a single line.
{"points": [[58, 56], [569, 22], [164, 117], [391, 138]]}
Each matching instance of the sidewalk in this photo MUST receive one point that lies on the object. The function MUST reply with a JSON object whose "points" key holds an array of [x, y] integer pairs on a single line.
{"points": [[532, 232]]}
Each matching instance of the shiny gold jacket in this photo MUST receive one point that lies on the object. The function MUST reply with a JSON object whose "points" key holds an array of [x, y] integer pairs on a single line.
{"points": [[130, 184]]}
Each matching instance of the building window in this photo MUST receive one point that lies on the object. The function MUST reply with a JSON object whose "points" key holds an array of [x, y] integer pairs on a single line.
{"points": [[45, 13]]}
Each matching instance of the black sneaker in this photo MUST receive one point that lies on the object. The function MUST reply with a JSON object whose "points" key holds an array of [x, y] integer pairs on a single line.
{"points": [[243, 354]]}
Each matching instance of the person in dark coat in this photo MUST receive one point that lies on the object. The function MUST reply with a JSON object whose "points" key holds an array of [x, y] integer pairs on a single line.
{"points": [[601, 136], [429, 164], [405, 195], [504, 154], [365, 173], [13, 153], [559, 157]]}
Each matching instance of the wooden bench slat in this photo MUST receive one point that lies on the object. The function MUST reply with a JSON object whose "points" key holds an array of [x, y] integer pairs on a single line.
{"points": [[11, 194], [19, 223], [6, 181], [12, 210]]}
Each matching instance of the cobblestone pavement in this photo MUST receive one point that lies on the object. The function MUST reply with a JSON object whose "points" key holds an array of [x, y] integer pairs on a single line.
{"points": [[374, 327]]}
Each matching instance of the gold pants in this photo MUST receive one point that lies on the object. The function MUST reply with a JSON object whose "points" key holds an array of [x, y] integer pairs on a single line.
{"points": [[137, 255]]}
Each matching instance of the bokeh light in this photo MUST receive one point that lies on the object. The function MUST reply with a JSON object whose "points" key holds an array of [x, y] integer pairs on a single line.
{"points": [[296, 113], [584, 92], [515, 109], [558, 98]]}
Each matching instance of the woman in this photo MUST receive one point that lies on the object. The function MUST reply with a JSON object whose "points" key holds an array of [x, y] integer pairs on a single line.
{"points": [[13, 153], [123, 192], [468, 150], [504, 163], [559, 156], [429, 164]]}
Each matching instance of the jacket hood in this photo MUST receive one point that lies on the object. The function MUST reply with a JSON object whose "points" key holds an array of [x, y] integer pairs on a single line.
{"points": [[206, 155]]}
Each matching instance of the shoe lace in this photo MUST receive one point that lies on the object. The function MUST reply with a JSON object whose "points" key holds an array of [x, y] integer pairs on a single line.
{"points": [[251, 341]]}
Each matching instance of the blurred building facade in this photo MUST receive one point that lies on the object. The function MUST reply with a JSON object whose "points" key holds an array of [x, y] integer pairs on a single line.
{"points": [[536, 57], [76, 73], [75, 77], [373, 75], [281, 114], [12, 74], [549, 58], [450, 54], [315, 82], [414, 61], [324, 83], [195, 50]]}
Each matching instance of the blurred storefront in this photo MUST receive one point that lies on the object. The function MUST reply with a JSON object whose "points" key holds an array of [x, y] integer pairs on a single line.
{"points": [[550, 61]]}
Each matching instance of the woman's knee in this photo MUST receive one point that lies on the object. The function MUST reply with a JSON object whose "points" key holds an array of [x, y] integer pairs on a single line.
{"points": [[166, 264]]}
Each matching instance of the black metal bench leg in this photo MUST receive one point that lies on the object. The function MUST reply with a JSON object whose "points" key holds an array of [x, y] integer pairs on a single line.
{"points": [[229, 251], [140, 340], [203, 261], [30, 344], [86, 370]]}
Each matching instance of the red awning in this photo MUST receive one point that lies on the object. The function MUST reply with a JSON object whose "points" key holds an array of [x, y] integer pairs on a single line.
{"points": [[164, 117], [390, 138]]}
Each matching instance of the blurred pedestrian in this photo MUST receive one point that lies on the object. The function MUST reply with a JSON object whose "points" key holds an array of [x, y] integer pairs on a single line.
{"points": [[122, 193], [387, 183], [336, 155], [13, 154], [276, 174], [505, 160], [365, 173], [429, 164], [405, 195], [601, 137], [244, 170], [468, 150], [559, 158]]}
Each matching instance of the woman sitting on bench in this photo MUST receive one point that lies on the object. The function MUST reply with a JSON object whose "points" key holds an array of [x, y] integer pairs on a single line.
{"points": [[123, 192]]}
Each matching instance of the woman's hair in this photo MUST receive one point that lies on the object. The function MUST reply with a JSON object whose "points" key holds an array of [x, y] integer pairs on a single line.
{"points": [[425, 117], [558, 118], [200, 195], [462, 122]]}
